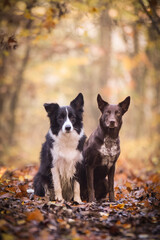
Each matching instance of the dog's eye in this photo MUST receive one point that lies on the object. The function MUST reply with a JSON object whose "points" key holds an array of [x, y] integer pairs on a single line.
{"points": [[61, 117], [72, 118], [118, 113], [108, 112]]}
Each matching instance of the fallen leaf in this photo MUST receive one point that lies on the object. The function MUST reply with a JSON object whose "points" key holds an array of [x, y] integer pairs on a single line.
{"points": [[140, 194], [147, 204], [21, 222], [6, 195], [23, 188], [118, 206], [127, 225], [143, 236], [129, 186], [35, 215], [2, 222], [6, 236]]}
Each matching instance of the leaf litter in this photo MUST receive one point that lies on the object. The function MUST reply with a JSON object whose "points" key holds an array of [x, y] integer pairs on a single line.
{"points": [[134, 215]]}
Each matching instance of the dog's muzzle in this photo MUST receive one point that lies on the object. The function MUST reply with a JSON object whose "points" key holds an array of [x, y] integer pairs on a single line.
{"points": [[67, 128], [112, 124]]}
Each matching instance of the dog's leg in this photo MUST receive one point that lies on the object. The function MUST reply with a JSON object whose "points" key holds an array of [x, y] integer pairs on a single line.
{"points": [[51, 194], [111, 183], [101, 188], [51, 189], [77, 197], [57, 184], [90, 185]]}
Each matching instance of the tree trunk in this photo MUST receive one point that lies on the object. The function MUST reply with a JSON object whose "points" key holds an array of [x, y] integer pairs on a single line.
{"points": [[95, 78], [139, 74], [105, 44], [154, 56], [14, 101]]}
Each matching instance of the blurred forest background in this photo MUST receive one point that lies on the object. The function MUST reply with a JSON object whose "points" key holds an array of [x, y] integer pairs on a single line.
{"points": [[52, 50]]}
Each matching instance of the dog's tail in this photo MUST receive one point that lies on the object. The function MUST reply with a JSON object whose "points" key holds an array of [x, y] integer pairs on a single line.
{"points": [[38, 185]]}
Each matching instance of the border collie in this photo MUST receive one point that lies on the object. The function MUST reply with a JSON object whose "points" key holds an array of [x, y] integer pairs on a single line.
{"points": [[61, 154], [102, 150]]}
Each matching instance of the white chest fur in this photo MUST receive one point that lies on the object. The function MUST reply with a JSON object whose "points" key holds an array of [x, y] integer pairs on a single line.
{"points": [[110, 150], [65, 154]]}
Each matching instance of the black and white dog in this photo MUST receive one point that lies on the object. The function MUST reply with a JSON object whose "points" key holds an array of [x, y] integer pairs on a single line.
{"points": [[61, 154]]}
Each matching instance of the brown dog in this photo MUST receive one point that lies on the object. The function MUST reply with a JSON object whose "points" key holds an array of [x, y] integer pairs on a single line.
{"points": [[102, 150]]}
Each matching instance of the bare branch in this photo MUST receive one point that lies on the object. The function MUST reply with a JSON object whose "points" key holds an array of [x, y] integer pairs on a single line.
{"points": [[151, 18]]}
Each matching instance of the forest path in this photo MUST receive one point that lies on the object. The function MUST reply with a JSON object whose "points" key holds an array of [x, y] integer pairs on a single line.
{"points": [[134, 215]]}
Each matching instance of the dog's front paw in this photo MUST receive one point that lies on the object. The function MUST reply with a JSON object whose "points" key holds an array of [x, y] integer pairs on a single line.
{"points": [[111, 197], [78, 200], [92, 197], [51, 198], [59, 198]]}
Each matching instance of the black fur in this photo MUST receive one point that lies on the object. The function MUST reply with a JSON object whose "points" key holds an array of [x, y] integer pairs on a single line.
{"points": [[57, 116], [44, 175]]}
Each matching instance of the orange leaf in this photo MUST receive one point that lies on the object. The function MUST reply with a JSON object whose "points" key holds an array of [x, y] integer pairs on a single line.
{"points": [[155, 178], [11, 189], [146, 204], [157, 189], [35, 215], [23, 189], [127, 225], [120, 205], [60, 220], [158, 196], [129, 186]]}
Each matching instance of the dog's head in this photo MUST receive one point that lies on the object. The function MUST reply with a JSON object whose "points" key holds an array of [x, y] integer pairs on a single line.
{"points": [[66, 118], [112, 114]]}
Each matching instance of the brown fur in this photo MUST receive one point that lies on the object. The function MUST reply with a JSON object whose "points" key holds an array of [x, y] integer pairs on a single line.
{"points": [[102, 150]]}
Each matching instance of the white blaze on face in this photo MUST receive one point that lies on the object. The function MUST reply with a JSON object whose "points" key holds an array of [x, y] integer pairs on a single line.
{"points": [[66, 124]]}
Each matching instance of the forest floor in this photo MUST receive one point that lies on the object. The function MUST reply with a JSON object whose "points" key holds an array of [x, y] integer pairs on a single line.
{"points": [[134, 215]]}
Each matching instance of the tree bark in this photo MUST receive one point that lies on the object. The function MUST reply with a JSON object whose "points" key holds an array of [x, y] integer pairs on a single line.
{"points": [[14, 101], [105, 44], [139, 75]]}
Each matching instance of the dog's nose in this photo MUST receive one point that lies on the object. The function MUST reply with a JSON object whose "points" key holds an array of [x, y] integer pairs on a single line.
{"points": [[68, 128], [112, 123]]}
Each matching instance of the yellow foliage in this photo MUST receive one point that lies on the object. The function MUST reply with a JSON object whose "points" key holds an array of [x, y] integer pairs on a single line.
{"points": [[113, 13], [131, 63], [7, 236], [76, 61], [38, 11], [21, 5], [27, 14], [2, 222], [24, 33], [141, 152], [6, 53], [81, 6]]}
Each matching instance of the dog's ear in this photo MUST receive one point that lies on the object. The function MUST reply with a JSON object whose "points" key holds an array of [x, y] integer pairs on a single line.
{"points": [[101, 103], [51, 107], [125, 105], [78, 102]]}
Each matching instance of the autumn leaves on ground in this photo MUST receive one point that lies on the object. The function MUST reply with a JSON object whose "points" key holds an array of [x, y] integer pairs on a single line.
{"points": [[134, 215]]}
